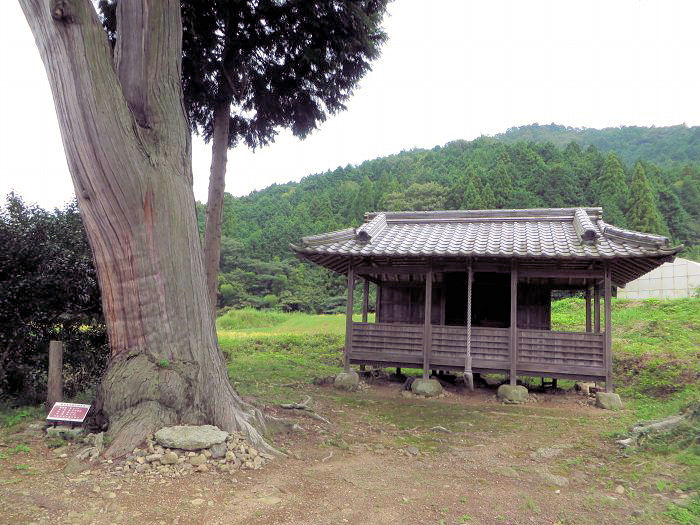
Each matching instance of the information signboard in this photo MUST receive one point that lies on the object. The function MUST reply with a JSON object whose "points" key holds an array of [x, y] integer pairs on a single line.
{"points": [[68, 412]]}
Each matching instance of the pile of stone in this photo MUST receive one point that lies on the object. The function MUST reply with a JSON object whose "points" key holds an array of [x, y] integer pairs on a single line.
{"points": [[178, 451]]}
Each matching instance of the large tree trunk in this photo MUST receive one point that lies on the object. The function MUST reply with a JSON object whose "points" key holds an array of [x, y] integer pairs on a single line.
{"points": [[215, 199], [128, 148]]}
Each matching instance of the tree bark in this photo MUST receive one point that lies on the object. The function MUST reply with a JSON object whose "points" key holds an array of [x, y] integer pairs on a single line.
{"points": [[124, 131], [215, 199]]}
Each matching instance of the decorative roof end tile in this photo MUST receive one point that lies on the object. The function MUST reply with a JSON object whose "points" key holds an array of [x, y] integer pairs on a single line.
{"points": [[586, 232]]}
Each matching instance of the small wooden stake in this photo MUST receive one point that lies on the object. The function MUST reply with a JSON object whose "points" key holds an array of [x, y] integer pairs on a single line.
{"points": [[55, 380]]}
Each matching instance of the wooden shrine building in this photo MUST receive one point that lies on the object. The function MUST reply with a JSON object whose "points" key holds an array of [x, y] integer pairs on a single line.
{"points": [[471, 290]]}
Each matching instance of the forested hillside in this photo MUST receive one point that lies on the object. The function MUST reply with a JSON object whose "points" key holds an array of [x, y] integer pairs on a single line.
{"points": [[659, 194]]}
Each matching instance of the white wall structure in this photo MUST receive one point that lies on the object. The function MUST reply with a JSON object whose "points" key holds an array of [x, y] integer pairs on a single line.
{"points": [[680, 278]]}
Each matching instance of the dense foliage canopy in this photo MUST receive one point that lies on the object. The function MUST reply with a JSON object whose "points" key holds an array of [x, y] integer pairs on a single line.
{"points": [[279, 64], [49, 291]]}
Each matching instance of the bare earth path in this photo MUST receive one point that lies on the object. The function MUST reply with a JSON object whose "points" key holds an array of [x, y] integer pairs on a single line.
{"points": [[543, 462]]}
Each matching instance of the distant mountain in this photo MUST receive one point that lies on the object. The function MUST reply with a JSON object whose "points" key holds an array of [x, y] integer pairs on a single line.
{"points": [[679, 144]]}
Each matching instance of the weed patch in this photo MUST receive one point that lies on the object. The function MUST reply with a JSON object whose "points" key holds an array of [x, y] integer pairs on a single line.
{"points": [[19, 448], [10, 417], [689, 515]]}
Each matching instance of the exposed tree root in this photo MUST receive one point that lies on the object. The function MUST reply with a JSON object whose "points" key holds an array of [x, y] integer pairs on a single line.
{"points": [[655, 426], [305, 408], [140, 395]]}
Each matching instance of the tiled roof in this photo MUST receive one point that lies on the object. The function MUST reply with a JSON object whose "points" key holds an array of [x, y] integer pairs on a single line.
{"points": [[559, 237], [535, 233]]}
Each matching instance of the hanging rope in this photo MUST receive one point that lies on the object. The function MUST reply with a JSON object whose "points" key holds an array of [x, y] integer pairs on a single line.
{"points": [[468, 375]]}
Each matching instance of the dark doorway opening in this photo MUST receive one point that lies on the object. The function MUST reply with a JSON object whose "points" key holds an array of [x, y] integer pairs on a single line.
{"points": [[490, 299]]}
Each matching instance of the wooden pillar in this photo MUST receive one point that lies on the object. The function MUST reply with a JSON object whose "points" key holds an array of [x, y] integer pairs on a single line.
{"points": [[588, 309], [468, 375], [55, 379], [365, 300], [513, 323], [378, 302], [426, 325], [365, 307], [608, 330], [443, 300], [348, 318], [596, 308]]}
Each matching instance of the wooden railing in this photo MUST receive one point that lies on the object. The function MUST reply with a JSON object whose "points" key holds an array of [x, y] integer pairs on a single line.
{"points": [[539, 352], [575, 353], [392, 344], [489, 347]]}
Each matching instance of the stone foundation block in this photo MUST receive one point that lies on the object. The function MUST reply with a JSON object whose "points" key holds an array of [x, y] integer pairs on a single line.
{"points": [[347, 381], [426, 387], [608, 401], [512, 393]]}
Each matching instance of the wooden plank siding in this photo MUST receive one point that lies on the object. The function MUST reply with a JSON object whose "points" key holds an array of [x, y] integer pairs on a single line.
{"points": [[391, 344], [540, 352], [558, 350], [489, 346]]}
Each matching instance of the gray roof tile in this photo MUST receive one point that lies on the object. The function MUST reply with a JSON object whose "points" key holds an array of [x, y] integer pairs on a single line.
{"points": [[546, 233]]}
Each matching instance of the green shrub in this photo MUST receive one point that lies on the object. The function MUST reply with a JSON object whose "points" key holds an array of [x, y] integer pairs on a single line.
{"points": [[270, 300], [49, 291]]}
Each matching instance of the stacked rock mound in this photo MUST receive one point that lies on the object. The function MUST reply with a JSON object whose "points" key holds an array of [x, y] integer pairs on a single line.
{"points": [[180, 450]]}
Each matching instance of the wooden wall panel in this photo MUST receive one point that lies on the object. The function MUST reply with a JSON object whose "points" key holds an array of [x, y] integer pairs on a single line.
{"points": [[534, 306], [406, 304]]}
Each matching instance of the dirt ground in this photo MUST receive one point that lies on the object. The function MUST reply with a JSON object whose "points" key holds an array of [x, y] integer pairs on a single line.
{"points": [[384, 458]]}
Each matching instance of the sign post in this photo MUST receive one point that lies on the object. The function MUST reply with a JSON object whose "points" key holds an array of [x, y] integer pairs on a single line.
{"points": [[72, 413], [55, 380]]}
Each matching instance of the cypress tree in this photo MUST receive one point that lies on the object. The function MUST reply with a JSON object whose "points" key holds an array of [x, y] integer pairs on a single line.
{"points": [[472, 199], [611, 190], [502, 184], [643, 213], [678, 220], [488, 199]]}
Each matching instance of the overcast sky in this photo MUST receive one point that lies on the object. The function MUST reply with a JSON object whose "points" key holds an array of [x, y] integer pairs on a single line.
{"points": [[452, 69]]}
